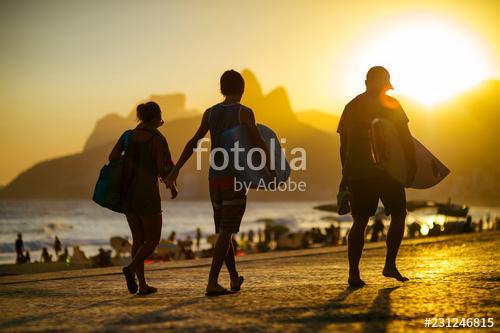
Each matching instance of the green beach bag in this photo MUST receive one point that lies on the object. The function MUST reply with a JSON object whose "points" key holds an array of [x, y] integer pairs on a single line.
{"points": [[108, 189]]}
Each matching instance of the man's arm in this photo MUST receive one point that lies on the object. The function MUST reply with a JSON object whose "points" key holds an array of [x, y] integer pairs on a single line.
{"points": [[409, 150], [163, 161], [188, 149], [342, 130], [247, 117], [343, 159], [401, 121]]}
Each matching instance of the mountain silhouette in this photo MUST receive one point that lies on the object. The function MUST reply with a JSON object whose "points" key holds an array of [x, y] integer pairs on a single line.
{"points": [[460, 132], [109, 128], [321, 120], [74, 176]]}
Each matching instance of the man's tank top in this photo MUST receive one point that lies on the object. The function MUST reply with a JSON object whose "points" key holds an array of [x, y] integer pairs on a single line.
{"points": [[221, 118]]}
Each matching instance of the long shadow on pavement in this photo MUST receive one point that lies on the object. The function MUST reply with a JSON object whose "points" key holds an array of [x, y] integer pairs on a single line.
{"points": [[159, 316], [376, 319]]}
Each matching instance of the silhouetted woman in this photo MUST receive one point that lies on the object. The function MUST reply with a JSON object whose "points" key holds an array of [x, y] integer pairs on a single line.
{"points": [[45, 256], [147, 158]]}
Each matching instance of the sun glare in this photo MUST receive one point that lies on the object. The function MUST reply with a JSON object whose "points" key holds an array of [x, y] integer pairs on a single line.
{"points": [[430, 59]]}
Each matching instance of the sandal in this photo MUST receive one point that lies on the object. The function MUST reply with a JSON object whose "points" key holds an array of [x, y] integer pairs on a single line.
{"points": [[149, 290], [130, 278], [235, 287], [220, 292]]}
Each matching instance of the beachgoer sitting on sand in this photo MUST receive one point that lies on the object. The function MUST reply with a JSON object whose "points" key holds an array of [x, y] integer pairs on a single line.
{"points": [[377, 229], [120, 245], [102, 259], [79, 256], [45, 256], [64, 256]]}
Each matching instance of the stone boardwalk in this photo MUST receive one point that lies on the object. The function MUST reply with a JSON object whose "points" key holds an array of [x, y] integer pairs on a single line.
{"points": [[296, 291]]}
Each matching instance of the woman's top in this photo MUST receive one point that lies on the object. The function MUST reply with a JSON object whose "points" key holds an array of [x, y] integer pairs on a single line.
{"points": [[147, 157]]}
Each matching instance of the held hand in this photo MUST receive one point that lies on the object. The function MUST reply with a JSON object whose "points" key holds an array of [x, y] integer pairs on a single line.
{"points": [[343, 202], [343, 197], [173, 191], [171, 179]]}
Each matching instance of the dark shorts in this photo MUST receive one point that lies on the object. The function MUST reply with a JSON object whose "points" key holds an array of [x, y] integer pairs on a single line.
{"points": [[367, 192], [228, 205]]}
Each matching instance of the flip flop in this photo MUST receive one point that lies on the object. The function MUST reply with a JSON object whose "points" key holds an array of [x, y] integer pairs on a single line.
{"points": [[150, 290], [236, 288], [218, 293], [130, 278]]}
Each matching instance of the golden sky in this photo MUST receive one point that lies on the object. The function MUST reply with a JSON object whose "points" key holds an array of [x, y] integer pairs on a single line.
{"points": [[66, 64]]}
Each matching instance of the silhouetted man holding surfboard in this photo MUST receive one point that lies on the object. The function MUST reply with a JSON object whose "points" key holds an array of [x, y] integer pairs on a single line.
{"points": [[228, 202], [363, 183]]}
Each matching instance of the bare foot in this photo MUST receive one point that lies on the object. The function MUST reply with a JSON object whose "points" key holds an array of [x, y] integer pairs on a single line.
{"points": [[356, 282], [392, 272]]}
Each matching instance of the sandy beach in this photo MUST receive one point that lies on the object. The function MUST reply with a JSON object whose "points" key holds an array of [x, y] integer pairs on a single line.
{"points": [[293, 291]]}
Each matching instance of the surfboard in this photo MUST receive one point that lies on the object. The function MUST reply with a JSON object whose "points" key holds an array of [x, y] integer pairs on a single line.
{"points": [[388, 154], [251, 168]]}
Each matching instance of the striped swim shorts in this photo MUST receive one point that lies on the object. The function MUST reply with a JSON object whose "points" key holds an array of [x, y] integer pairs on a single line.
{"points": [[228, 205]]}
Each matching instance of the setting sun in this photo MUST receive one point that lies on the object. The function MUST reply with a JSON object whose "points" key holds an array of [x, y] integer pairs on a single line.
{"points": [[430, 59]]}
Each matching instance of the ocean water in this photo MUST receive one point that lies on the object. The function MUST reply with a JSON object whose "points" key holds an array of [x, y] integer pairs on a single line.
{"points": [[83, 223]]}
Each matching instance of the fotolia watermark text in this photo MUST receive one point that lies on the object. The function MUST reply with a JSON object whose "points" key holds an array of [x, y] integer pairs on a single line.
{"points": [[298, 162], [241, 160]]}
